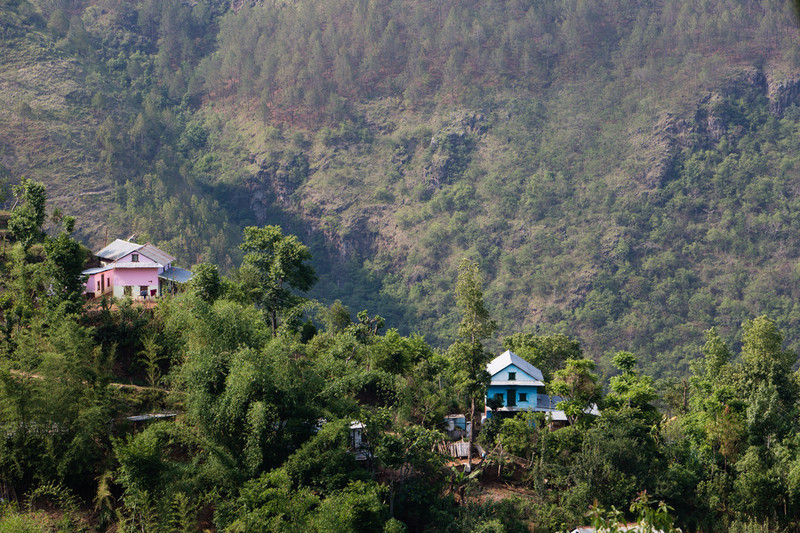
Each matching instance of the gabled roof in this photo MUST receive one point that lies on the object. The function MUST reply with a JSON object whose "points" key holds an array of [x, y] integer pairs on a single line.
{"points": [[117, 250], [156, 254], [510, 358]]}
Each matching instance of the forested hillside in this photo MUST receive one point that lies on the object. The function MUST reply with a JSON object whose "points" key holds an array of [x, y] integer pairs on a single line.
{"points": [[623, 172], [240, 406]]}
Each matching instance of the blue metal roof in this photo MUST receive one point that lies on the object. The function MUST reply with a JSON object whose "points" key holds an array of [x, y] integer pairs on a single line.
{"points": [[179, 275]]}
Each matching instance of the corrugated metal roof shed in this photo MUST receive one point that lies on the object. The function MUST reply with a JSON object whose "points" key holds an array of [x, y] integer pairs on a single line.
{"points": [[152, 416], [179, 275]]}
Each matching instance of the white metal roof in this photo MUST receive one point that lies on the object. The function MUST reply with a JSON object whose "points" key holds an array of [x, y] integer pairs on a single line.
{"points": [[510, 358], [117, 249], [96, 270], [153, 416]]}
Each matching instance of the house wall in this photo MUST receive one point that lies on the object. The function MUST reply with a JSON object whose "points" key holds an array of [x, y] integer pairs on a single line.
{"points": [[127, 258], [142, 259], [135, 278], [91, 284], [530, 390], [530, 403], [521, 375], [94, 279]]}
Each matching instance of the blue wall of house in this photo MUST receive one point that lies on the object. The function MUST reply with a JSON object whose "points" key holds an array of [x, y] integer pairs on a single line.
{"points": [[529, 391], [521, 375]]}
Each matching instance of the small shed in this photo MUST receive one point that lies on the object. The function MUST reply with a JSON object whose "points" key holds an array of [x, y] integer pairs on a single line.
{"points": [[457, 426], [356, 435], [557, 419], [459, 449], [140, 421]]}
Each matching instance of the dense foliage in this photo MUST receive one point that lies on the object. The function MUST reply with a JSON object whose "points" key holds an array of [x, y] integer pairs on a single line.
{"points": [[262, 403]]}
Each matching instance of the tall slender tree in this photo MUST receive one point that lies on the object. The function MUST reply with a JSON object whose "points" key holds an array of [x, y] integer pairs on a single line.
{"points": [[467, 353]]}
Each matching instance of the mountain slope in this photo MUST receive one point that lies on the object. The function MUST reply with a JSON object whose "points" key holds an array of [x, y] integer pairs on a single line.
{"points": [[624, 172]]}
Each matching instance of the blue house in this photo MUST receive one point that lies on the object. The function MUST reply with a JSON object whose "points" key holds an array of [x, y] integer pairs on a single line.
{"points": [[517, 385]]}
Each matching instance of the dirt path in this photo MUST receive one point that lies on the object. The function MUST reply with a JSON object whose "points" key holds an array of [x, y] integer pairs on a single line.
{"points": [[128, 386]]}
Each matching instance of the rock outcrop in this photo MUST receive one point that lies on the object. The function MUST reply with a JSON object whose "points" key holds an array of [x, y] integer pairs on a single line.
{"points": [[711, 121], [451, 148]]}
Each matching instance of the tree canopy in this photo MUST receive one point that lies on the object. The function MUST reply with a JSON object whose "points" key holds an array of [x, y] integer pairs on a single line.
{"points": [[281, 264]]}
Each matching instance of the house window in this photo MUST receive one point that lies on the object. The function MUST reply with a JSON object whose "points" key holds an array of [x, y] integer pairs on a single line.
{"points": [[99, 288], [512, 376], [523, 396], [498, 397], [127, 290], [134, 258]]}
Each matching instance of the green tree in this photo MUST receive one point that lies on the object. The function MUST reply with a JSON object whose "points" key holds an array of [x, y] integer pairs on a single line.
{"points": [[519, 434], [65, 259], [650, 516], [764, 359], [281, 264], [28, 214], [409, 451], [577, 384], [324, 463], [468, 354], [715, 419], [357, 508], [206, 282], [548, 353], [254, 402], [269, 504], [59, 383], [336, 317], [630, 390], [716, 354], [768, 381]]}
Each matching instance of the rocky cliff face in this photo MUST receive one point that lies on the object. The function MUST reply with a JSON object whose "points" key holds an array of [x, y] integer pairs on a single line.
{"points": [[710, 121], [782, 93], [451, 148], [280, 174]]}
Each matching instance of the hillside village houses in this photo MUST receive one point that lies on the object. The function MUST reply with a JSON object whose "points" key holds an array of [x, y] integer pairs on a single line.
{"points": [[137, 271]]}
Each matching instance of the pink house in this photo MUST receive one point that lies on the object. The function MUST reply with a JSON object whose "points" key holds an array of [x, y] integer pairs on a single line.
{"points": [[134, 270]]}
